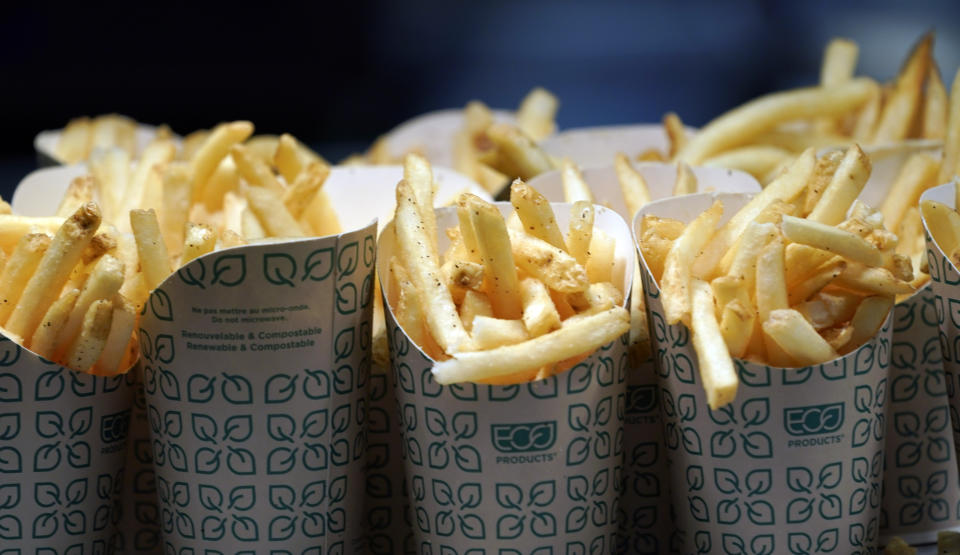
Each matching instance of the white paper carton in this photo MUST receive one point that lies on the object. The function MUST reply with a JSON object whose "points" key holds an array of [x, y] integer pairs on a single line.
{"points": [[515, 468], [595, 147], [795, 462], [645, 521]]}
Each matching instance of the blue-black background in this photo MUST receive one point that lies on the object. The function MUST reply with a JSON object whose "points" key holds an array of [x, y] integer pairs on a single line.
{"points": [[339, 74]]}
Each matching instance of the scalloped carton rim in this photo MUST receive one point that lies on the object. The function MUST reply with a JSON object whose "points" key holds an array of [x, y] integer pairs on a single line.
{"points": [[594, 147], [795, 462], [524, 466], [646, 498], [45, 143]]}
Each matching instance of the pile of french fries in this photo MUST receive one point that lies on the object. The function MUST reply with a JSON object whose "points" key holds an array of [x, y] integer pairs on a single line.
{"points": [[492, 153], [800, 275], [82, 136], [511, 300], [119, 232], [765, 135]]}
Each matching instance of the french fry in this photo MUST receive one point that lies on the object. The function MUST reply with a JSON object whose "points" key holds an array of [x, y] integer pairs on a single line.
{"points": [[686, 182], [199, 241], [901, 108], [743, 268], [601, 257], [574, 187], [879, 281], [111, 173], [536, 114], [271, 212], [254, 170], [474, 304], [570, 340], [848, 180], [54, 269], [23, 261], [656, 239], [320, 215], [934, 122], [635, 191], [215, 147], [676, 134], [741, 124], [13, 227], [757, 160], [441, 317], [868, 318], [88, 347], [950, 164], [676, 278], [523, 157], [117, 343], [943, 223], [287, 158], [79, 192], [489, 333], [540, 316], [135, 193], [812, 285], [916, 176], [868, 116], [104, 282], [44, 339], [496, 252], [797, 338], [737, 314], [828, 309], [152, 251], [535, 213], [419, 175], [831, 239], [74, 143], [580, 234], [298, 196], [716, 367]]}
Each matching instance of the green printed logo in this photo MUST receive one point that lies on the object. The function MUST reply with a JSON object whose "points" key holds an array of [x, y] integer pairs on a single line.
{"points": [[641, 399], [814, 419], [114, 427], [527, 437]]}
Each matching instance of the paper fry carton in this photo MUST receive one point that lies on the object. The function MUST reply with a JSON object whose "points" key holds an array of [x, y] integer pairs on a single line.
{"points": [[594, 147], [521, 468], [795, 462], [645, 521]]}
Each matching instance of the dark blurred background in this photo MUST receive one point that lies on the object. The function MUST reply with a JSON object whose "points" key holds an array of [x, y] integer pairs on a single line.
{"points": [[338, 74]]}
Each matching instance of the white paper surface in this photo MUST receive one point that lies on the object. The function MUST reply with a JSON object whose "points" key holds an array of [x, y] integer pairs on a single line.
{"points": [[594, 147], [432, 134]]}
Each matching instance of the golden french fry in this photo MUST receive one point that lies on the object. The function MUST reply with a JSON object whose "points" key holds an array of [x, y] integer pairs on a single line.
{"points": [[419, 175], [868, 116], [104, 282], [535, 213], [298, 196], [651, 155], [716, 366], [574, 187], [135, 195], [579, 336], [878, 281], [867, 319], [44, 339], [152, 251], [635, 191], [831, 239], [286, 158], [676, 133], [14, 227], [676, 278], [934, 122], [490, 333], [656, 239], [901, 107], [474, 304], [771, 285], [199, 241], [74, 143], [271, 212], [916, 176], [176, 203], [79, 192], [320, 216], [847, 182], [839, 62], [686, 182], [943, 223], [19, 268], [253, 170], [88, 347], [536, 114], [737, 314], [601, 257], [820, 278], [950, 164], [111, 174], [216, 146], [743, 266], [441, 315], [540, 315], [784, 188], [797, 338], [54, 269], [757, 160], [828, 309], [116, 345], [741, 124], [523, 158], [496, 252], [580, 234]]}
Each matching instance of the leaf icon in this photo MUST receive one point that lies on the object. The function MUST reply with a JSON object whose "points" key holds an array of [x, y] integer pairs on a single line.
{"points": [[49, 424], [193, 274], [907, 424], [315, 456], [733, 543], [464, 425], [338, 489], [46, 494], [283, 498], [204, 428], [799, 510], [318, 265], [691, 441], [722, 443], [314, 424], [282, 528], [46, 458], [436, 422], [759, 482], [49, 386], [347, 260], [908, 453], [578, 451], [240, 461], [237, 389], [760, 513], [10, 528], [45, 525], [698, 509], [937, 419], [281, 460], [314, 494], [238, 428], [472, 526], [755, 412], [169, 384], [830, 476], [78, 454], [600, 482], [687, 408], [210, 497], [313, 525], [242, 498], [543, 493], [437, 456], [858, 501], [343, 344], [646, 484], [76, 492], [10, 387], [910, 514], [347, 298], [280, 388], [213, 528], [938, 450], [341, 419], [229, 270], [80, 421], [578, 416], [728, 512], [469, 495], [827, 540], [245, 529], [207, 460], [467, 458], [9, 353], [9, 496], [861, 432], [509, 496], [279, 268], [726, 481], [800, 479]]}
